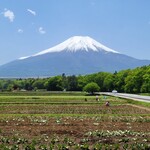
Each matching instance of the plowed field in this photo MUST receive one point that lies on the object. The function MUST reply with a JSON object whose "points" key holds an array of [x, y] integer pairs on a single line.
{"points": [[54, 122]]}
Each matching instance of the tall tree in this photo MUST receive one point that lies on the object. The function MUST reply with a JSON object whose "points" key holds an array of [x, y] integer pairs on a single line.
{"points": [[119, 82], [109, 82], [64, 81], [54, 84], [39, 84], [145, 88], [99, 79], [72, 83]]}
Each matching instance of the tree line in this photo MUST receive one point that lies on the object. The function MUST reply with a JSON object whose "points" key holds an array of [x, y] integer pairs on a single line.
{"points": [[130, 81]]}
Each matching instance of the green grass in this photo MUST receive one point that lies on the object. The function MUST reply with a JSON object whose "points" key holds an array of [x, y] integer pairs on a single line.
{"points": [[20, 101], [42, 93], [146, 94], [139, 103], [56, 99]]}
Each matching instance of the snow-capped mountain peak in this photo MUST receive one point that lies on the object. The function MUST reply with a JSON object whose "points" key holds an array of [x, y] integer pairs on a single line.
{"points": [[75, 56], [76, 43]]}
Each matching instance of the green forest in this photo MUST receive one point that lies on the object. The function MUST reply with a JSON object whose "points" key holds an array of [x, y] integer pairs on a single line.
{"points": [[130, 81]]}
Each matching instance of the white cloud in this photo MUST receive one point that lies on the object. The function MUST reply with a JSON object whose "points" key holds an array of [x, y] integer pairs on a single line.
{"points": [[20, 31], [32, 12], [41, 30], [9, 14]]}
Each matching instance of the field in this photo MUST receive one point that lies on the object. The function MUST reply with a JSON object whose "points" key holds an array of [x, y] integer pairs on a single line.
{"points": [[62, 121]]}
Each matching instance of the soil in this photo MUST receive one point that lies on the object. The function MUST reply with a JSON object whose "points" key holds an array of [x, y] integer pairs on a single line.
{"points": [[43, 128], [68, 127]]}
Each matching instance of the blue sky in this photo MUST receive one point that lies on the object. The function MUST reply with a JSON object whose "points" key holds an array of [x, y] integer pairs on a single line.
{"points": [[30, 26]]}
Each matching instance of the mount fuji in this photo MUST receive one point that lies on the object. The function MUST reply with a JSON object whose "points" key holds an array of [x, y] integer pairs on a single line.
{"points": [[77, 55]]}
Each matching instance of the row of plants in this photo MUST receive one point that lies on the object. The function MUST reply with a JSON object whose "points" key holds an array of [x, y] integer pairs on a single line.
{"points": [[62, 119], [69, 144], [122, 133], [99, 108]]}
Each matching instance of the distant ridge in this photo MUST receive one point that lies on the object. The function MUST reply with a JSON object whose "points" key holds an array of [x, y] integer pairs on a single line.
{"points": [[77, 55]]}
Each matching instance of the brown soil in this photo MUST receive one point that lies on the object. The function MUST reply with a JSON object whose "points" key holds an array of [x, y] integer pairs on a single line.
{"points": [[43, 128], [72, 127]]}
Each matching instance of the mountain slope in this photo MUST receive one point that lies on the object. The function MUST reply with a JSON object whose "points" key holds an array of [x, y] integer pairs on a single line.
{"points": [[77, 55]]}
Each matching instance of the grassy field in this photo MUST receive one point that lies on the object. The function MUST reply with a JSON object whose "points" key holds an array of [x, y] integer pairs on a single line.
{"points": [[73, 120]]}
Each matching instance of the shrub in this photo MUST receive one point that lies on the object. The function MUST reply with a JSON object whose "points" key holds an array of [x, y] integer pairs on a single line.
{"points": [[91, 88]]}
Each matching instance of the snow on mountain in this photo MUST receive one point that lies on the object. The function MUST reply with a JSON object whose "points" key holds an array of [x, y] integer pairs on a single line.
{"points": [[75, 44], [21, 58]]}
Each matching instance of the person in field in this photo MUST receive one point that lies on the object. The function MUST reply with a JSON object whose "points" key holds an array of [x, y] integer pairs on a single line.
{"points": [[97, 99], [107, 103]]}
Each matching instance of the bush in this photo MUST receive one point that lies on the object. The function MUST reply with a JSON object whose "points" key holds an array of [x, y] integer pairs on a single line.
{"points": [[91, 88]]}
